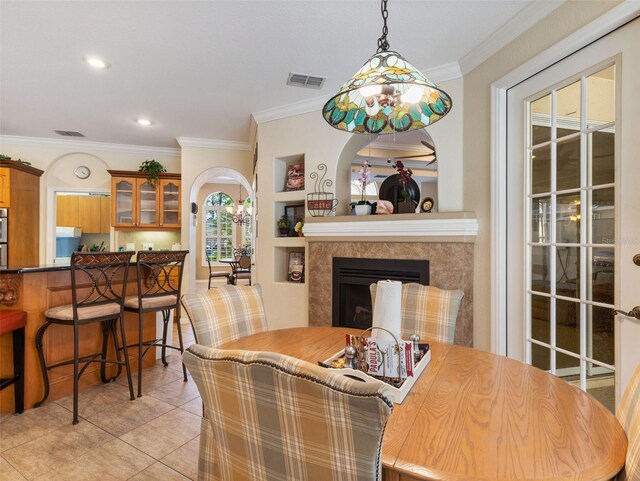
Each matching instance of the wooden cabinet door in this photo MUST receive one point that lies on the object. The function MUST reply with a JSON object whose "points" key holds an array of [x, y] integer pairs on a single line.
{"points": [[169, 200], [5, 187], [148, 212], [124, 201], [105, 214], [89, 214], [67, 211]]}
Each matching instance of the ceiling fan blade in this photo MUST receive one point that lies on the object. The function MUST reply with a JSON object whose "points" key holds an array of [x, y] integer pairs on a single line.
{"points": [[431, 162], [428, 145], [414, 156]]}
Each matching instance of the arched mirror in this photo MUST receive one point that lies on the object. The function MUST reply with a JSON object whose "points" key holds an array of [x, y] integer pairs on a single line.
{"points": [[416, 150]]}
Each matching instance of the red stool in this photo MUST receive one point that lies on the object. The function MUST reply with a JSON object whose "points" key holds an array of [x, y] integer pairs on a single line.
{"points": [[12, 321]]}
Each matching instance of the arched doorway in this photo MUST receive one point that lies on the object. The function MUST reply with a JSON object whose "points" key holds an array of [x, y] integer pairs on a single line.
{"points": [[207, 177]]}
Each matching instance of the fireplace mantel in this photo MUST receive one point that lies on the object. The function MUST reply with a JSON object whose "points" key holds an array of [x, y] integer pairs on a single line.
{"points": [[440, 227]]}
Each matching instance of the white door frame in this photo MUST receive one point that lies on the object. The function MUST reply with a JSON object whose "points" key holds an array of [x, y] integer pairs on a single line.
{"points": [[603, 25]]}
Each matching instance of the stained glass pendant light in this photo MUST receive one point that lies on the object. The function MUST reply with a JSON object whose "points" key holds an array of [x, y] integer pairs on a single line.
{"points": [[386, 95]]}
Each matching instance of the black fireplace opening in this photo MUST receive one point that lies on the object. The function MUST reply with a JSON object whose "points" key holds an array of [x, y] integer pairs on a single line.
{"points": [[352, 278]]}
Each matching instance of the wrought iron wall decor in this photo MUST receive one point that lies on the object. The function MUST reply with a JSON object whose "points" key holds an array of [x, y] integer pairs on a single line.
{"points": [[321, 203]]}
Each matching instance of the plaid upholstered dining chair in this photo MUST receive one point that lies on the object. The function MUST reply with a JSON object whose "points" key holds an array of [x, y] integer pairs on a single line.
{"points": [[225, 313], [270, 416], [629, 416], [428, 311]]}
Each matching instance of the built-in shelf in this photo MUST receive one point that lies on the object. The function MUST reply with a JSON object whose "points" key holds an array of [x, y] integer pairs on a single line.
{"points": [[281, 257], [289, 242]]}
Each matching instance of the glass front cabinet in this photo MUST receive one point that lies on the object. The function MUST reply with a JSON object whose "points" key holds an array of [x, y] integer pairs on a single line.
{"points": [[138, 203]]}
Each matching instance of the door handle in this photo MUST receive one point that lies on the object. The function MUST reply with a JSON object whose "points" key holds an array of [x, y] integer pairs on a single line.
{"points": [[635, 312]]}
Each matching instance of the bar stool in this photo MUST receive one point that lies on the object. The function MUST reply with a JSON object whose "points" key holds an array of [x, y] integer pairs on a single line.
{"points": [[14, 322], [159, 284], [96, 297]]}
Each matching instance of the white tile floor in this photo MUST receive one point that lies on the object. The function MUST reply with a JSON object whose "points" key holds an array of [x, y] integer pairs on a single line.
{"points": [[155, 437]]}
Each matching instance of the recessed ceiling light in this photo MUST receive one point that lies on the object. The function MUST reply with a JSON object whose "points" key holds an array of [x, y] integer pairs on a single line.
{"points": [[145, 122], [96, 62]]}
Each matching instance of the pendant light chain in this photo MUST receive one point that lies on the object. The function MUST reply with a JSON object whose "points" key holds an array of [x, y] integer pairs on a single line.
{"points": [[383, 44]]}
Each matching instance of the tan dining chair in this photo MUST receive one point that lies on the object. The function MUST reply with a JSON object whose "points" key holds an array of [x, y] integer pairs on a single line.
{"points": [[427, 311], [629, 416], [216, 274], [225, 313], [98, 285], [241, 269], [159, 285], [270, 416]]}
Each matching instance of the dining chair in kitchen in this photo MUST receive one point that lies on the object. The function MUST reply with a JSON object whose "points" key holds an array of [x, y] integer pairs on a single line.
{"points": [[216, 274], [98, 285], [225, 313], [427, 311], [629, 416], [270, 416], [241, 269], [159, 284]]}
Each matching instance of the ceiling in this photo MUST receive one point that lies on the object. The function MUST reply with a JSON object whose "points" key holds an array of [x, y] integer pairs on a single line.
{"points": [[199, 69]]}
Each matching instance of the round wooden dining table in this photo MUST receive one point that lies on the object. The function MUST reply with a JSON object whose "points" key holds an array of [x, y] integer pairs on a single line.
{"points": [[473, 415]]}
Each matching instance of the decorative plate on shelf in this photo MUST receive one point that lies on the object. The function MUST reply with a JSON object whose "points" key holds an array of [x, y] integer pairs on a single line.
{"points": [[391, 190]]}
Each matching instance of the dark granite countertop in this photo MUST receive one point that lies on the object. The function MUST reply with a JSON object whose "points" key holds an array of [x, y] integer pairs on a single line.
{"points": [[39, 268]]}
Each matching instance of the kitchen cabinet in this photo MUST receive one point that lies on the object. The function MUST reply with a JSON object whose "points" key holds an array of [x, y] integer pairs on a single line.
{"points": [[20, 192], [5, 187], [137, 203], [89, 212]]}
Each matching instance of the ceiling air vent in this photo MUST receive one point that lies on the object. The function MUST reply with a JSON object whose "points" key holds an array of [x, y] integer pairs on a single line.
{"points": [[307, 81], [68, 133]]}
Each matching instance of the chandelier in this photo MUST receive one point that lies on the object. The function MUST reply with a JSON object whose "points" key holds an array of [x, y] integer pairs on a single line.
{"points": [[386, 95], [240, 211]]}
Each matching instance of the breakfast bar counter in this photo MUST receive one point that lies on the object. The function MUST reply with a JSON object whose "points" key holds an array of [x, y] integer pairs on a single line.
{"points": [[34, 290]]}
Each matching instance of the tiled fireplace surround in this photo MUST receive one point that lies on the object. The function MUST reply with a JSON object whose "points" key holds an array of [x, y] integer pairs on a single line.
{"points": [[450, 267]]}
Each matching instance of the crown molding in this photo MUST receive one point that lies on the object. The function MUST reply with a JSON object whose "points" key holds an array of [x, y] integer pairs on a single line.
{"points": [[288, 110], [442, 73], [213, 143], [89, 145], [520, 23]]}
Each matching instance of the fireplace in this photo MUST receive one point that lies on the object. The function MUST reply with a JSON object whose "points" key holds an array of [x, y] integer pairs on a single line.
{"points": [[352, 278]]}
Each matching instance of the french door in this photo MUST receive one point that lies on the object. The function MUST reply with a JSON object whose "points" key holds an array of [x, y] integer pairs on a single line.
{"points": [[573, 219]]}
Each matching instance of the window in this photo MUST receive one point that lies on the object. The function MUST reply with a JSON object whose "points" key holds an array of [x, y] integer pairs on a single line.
{"points": [[218, 228]]}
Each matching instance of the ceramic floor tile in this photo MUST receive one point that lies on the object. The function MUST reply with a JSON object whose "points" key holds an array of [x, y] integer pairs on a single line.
{"points": [[126, 416], [32, 424], [98, 398], [177, 392], [47, 453], [194, 406], [114, 459], [185, 459], [8, 472], [159, 472], [152, 378], [164, 434]]}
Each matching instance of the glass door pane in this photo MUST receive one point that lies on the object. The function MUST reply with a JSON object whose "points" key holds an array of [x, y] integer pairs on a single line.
{"points": [[572, 216], [124, 202], [170, 194], [148, 207]]}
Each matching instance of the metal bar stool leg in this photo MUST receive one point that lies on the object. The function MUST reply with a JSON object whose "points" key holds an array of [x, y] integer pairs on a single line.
{"points": [[43, 365], [184, 368], [75, 373], [113, 328], [106, 328], [140, 353], [18, 369], [166, 315], [126, 356]]}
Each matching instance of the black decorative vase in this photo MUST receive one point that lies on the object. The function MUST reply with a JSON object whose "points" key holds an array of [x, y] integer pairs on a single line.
{"points": [[391, 190]]}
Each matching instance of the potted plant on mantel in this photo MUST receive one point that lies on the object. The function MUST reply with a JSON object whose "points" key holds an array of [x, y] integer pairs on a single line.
{"points": [[363, 206], [152, 168]]}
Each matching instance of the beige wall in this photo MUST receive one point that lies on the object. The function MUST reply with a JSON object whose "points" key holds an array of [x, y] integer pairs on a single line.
{"points": [[563, 21], [59, 162], [199, 165]]}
